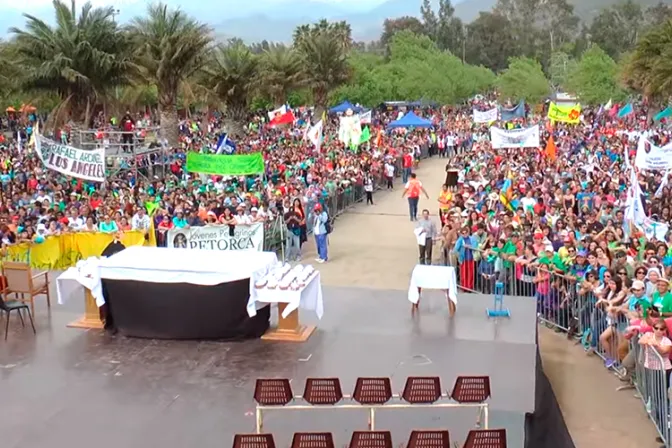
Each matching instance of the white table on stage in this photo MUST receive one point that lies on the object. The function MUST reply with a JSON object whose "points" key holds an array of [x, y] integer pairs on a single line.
{"points": [[433, 277], [308, 298]]}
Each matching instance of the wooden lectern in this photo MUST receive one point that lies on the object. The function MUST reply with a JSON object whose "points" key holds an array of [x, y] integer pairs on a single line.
{"points": [[289, 329], [91, 318]]}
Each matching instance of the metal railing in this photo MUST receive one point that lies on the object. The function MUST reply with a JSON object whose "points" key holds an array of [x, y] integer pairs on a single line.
{"points": [[571, 304]]}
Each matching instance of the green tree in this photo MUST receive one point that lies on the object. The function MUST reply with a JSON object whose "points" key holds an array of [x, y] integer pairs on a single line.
{"points": [[616, 29], [171, 48], [523, 79], [595, 78], [82, 58], [232, 75], [658, 14], [280, 72], [323, 51], [393, 26], [649, 68], [429, 20], [561, 66], [490, 41]]}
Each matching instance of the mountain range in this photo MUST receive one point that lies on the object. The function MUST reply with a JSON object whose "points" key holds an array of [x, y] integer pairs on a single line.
{"points": [[275, 20]]}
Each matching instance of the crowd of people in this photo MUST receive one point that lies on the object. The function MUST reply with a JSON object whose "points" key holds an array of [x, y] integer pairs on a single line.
{"points": [[556, 226]]}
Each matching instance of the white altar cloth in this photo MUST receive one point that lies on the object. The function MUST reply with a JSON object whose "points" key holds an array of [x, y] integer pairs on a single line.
{"points": [[164, 265], [308, 298], [433, 277]]}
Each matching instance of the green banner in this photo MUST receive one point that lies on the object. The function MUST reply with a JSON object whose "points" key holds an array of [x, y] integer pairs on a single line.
{"points": [[225, 165]]}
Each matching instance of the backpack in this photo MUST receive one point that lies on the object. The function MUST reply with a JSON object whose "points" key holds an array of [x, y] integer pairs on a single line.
{"points": [[327, 226]]}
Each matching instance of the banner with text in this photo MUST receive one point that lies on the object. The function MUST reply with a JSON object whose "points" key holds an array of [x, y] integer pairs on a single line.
{"points": [[564, 114], [515, 138], [218, 237], [652, 157], [79, 163], [487, 116], [225, 165]]}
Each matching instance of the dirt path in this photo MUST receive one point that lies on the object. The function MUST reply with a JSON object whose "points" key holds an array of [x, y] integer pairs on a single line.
{"points": [[374, 247]]}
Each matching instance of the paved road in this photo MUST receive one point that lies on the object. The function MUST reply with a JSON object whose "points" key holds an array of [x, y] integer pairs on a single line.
{"points": [[373, 247]]}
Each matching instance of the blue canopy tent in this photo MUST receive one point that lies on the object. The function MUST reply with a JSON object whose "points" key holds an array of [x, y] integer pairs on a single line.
{"points": [[410, 120], [343, 107]]}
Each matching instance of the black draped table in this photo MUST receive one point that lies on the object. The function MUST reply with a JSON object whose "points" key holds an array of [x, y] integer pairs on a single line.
{"points": [[176, 293]]}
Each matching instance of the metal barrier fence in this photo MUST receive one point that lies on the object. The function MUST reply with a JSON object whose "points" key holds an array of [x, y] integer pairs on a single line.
{"points": [[571, 305]]}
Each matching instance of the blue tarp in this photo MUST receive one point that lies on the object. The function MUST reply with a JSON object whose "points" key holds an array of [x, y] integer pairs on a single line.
{"points": [[343, 107], [513, 113], [410, 120]]}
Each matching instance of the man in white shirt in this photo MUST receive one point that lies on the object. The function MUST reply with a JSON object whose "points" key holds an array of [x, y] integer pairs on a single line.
{"points": [[140, 220], [241, 218], [389, 174]]}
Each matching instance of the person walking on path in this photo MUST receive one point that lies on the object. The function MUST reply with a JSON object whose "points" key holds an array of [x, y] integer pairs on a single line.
{"points": [[413, 189]]}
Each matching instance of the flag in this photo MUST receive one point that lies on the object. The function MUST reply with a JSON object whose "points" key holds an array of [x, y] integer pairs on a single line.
{"points": [[365, 118], [379, 138], [225, 145], [18, 141], [613, 111], [551, 150], [665, 113], [366, 135], [625, 111], [663, 184], [280, 119], [315, 135], [279, 111]]}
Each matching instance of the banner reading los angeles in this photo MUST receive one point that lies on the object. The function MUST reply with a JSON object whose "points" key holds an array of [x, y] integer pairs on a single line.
{"points": [[218, 238], [515, 138], [88, 165], [225, 165], [564, 114]]}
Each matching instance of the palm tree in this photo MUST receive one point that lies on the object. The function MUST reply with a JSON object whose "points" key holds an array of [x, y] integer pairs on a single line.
{"points": [[650, 65], [325, 64], [82, 58], [171, 48], [280, 72], [233, 77]]}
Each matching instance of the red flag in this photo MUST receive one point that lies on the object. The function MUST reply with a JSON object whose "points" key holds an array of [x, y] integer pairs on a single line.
{"points": [[286, 118], [551, 150]]}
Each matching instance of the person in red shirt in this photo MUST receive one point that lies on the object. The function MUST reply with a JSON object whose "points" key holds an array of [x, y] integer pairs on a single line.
{"points": [[407, 165]]}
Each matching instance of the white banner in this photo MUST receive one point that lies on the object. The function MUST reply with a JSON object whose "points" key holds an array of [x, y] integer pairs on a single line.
{"points": [[515, 138], [652, 157], [218, 237], [83, 164], [487, 116]]}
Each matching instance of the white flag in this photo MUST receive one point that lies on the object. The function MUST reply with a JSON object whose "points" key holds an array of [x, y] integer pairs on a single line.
{"points": [[663, 184], [18, 141], [315, 135], [282, 110]]}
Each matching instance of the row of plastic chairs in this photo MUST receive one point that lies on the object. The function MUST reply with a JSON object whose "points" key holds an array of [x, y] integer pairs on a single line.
{"points": [[372, 391], [477, 438]]}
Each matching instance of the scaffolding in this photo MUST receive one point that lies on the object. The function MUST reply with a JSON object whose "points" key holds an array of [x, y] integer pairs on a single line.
{"points": [[124, 151]]}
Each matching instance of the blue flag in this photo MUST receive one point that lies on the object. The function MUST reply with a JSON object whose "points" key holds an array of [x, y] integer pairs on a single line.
{"points": [[225, 145], [665, 113], [625, 110]]}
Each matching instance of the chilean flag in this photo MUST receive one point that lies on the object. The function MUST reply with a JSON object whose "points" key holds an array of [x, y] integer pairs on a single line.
{"points": [[283, 118]]}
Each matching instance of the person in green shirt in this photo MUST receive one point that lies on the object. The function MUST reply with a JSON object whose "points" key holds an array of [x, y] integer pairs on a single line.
{"points": [[662, 298], [107, 225]]}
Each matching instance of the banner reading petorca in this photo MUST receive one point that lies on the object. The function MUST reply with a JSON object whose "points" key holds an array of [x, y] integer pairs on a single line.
{"points": [[218, 238], [487, 116], [515, 138], [83, 164]]}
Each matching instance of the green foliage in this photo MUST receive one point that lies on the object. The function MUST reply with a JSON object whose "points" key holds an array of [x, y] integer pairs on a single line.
{"points": [[416, 69], [649, 68], [523, 79], [594, 79]]}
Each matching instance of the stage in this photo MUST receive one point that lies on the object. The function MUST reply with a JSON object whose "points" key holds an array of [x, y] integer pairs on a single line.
{"points": [[68, 388]]}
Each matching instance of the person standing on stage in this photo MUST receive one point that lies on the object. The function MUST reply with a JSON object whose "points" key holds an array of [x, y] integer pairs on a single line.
{"points": [[413, 189], [426, 231]]}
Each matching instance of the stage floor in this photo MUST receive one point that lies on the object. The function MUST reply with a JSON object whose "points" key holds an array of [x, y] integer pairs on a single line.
{"points": [[69, 388]]}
